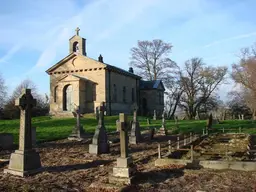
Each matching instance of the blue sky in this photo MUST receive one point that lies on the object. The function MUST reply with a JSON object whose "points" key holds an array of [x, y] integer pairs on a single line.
{"points": [[34, 34]]}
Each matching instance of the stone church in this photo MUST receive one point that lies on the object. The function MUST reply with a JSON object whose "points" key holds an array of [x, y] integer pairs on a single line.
{"points": [[78, 80]]}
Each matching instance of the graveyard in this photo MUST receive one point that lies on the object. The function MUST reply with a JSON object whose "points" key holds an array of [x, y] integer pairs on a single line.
{"points": [[131, 154]]}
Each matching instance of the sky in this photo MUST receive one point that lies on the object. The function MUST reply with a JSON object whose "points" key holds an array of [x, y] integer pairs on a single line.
{"points": [[34, 34]]}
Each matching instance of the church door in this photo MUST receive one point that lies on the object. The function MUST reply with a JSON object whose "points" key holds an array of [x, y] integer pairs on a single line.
{"points": [[68, 98]]}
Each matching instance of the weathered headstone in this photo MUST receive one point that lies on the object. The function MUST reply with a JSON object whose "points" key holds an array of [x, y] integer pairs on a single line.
{"points": [[154, 117], [100, 142], [97, 113], [148, 122], [117, 125], [124, 170], [135, 136], [6, 140], [78, 131], [242, 117], [25, 160], [163, 130]]}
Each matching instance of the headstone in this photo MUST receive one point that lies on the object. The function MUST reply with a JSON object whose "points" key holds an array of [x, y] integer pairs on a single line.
{"points": [[163, 130], [97, 113], [25, 160], [124, 170], [239, 116], [148, 122], [100, 142], [154, 117], [78, 131], [242, 117], [6, 140], [117, 125], [135, 136]]}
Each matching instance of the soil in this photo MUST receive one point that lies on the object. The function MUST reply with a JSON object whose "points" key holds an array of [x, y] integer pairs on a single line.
{"points": [[67, 166]]}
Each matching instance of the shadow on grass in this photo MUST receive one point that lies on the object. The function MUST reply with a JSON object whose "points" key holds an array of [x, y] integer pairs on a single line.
{"points": [[74, 167]]}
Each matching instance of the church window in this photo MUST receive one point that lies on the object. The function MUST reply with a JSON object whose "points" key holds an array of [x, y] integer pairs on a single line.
{"points": [[114, 93], [55, 94], [133, 96], [124, 94]]}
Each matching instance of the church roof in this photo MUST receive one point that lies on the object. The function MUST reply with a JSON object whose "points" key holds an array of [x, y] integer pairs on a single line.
{"points": [[147, 85], [119, 70], [108, 66]]}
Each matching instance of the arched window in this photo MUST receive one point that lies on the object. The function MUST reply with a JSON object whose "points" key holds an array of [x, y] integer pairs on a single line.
{"points": [[75, 47], [55, 94], [124, 94]]}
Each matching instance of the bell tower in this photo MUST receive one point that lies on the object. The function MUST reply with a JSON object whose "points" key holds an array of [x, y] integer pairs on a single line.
{"points": [[77, 44]]}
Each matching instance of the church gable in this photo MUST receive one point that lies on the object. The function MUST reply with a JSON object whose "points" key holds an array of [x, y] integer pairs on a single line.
{"points": [[75, 63]]}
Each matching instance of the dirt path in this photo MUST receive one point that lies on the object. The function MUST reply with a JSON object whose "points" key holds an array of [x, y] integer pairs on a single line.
{"points": [[67, 166]]}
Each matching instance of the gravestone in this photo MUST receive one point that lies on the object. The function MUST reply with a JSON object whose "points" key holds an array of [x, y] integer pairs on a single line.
{"points": [[100, 142], [117, 124], [6, 140], [154, 117], [242, 117], [97, 113], [163, 130], [124, 170], [135, 136], [78, 131], [25, 160]]}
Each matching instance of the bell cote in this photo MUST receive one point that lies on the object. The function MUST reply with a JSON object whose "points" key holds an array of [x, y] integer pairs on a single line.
{"points": [[77, 44]]}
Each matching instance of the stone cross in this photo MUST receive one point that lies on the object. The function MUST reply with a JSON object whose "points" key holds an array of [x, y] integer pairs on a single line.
{"points": [[135, 109], [135, 136], [24, 161], [124, 169], [123, 135], [25, 103], [77, 31], [78, 128]]}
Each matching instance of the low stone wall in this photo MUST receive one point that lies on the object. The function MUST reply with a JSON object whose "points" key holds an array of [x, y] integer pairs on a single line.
{"points": [[233, 165]]}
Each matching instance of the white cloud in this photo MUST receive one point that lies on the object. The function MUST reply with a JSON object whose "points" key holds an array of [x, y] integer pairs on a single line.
{"points": [[10, 53]]}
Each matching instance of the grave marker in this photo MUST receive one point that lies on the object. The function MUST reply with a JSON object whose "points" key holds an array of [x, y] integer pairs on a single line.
{"points": [[25, 160], [77, 132], [124, 170], [135, 130], [163, 130], [100, 142]]}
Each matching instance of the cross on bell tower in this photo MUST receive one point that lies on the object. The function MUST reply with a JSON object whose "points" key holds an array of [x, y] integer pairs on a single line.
{"points": [[77, 44], [77, 31]]}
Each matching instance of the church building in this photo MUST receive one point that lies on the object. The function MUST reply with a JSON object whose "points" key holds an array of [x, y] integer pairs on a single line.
{"points": [[78, 80]]}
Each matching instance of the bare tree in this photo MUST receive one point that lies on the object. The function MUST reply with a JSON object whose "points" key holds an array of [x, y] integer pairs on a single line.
{"points": [[3, 92], [151, 59], [199, 82], [244, 74]]}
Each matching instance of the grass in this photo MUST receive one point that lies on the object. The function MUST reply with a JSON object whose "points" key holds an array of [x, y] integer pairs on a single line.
{"points": [[49, 129]]}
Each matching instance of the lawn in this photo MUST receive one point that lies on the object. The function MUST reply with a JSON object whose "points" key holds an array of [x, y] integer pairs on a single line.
{"points": [[49, 129]]}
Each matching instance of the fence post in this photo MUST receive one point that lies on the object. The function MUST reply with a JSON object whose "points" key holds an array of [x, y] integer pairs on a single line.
{"points": [[191, 149], [178, 142], [159, 151], [169, 146]]}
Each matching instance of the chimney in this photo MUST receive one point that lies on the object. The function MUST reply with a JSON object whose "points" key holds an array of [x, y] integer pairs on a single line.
{"points": [[131, 70], [100, 59]]}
